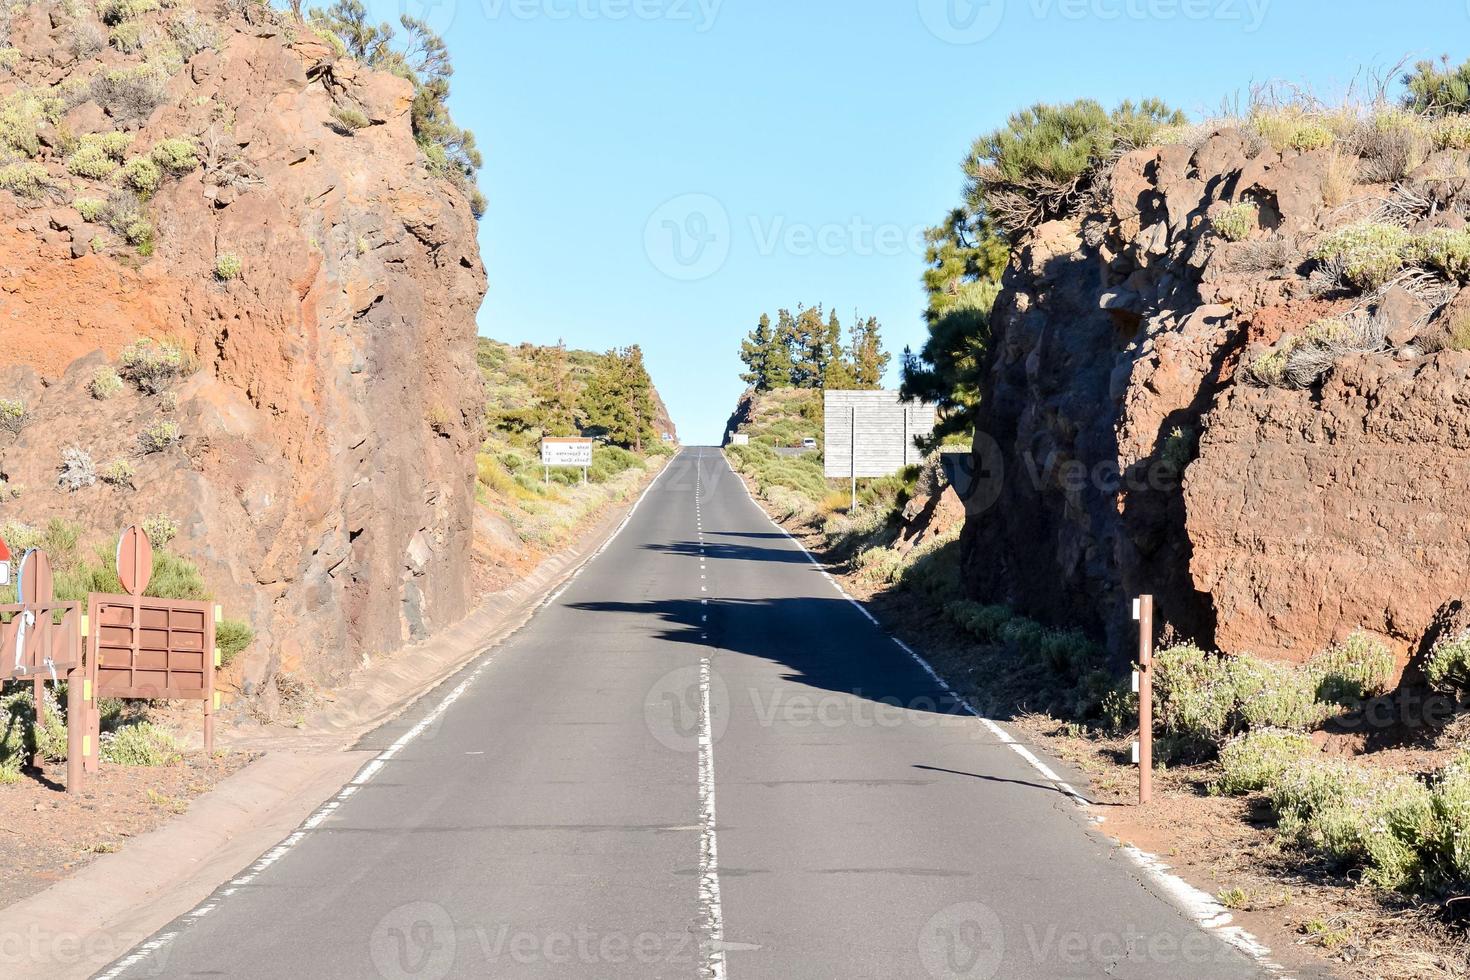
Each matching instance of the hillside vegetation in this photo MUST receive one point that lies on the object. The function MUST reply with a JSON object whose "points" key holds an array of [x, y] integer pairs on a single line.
{"points": [[531, 391]]}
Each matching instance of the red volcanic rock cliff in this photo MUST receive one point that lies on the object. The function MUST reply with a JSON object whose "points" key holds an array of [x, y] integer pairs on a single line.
{"points": [[330, 409]]}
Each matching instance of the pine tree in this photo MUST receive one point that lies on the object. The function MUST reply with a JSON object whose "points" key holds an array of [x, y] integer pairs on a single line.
{"points": [[618, 399], [837, 369], [553, 389], [808, 347], [869, 359], [756, 350]]}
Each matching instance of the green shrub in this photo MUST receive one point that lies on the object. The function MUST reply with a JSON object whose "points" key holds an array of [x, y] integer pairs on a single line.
{"points": [[1357, 815], [126, 217], [1371, 253], [1445, 251], [130, 93], [1448, 666], [90, 208], [176, 155], [21, 116], [1255, 760], [173, 577], [119, 473], [982, 622], [142, 175], [227, 267], [1236, 222], [99, 156], [140, 744], [1449, 844], [348, 120], [232, 636], [14, 416], [160, 528], [116, 11], [151, 364], [105, 383], [1355, 669], [1195, 693], [1271, 695], [1038, 166], [19, 736], [127, 38], [24, 178], [1292, 129], [158, 437], [9, 58], [1451, 133], [1438, 88]]}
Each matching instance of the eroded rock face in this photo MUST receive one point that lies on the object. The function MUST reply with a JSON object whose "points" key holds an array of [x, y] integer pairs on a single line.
{"points": [[1132, 456], [325, 477]]}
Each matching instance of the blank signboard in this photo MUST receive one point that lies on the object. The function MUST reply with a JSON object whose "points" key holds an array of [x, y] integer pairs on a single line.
{"points": [[879, 426]]}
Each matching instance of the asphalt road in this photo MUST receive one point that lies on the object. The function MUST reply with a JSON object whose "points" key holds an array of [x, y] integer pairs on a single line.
{"points": [[698, 760]]}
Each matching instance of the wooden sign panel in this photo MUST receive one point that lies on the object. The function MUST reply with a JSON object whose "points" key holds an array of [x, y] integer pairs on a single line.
{"points": [[134, 560], [152, 648]]}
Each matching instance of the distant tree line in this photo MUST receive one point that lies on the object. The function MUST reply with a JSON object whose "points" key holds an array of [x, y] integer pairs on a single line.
{"points": [[808, 350], [613, 400]]}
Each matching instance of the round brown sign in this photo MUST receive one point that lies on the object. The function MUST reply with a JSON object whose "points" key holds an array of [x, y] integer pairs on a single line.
{"points": [[134, 560]]}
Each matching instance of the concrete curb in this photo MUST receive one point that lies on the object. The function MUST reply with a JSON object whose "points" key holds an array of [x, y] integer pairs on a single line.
{"points": [[81, 924]]}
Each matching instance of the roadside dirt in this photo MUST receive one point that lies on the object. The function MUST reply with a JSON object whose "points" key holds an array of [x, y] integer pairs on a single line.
{"points": [[1318, 923], [47, 834]]}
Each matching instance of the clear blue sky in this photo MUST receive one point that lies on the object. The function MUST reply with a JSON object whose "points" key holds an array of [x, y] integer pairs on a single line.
{"points": [[801, 116]]}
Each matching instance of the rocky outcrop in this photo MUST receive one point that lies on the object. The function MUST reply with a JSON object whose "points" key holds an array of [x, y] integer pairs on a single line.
{"points": [[325, 476], [1127, 454]]}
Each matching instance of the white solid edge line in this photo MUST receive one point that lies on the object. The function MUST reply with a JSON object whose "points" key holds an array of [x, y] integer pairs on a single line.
{"points": [[709, 850], [1202, 908], [369, 769]]}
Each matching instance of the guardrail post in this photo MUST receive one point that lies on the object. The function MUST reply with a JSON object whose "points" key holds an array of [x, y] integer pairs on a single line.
{"points": [[1143, 611]]}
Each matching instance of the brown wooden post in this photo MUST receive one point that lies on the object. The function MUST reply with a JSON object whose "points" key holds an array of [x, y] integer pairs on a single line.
{"points": [[38, 692], [1145, 699]]}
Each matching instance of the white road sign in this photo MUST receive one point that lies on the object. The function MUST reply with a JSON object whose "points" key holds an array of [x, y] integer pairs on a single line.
{"points": [[566, 452]]}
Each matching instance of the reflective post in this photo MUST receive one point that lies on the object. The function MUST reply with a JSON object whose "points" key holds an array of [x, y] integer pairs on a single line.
{"points": [[1144, 613]]}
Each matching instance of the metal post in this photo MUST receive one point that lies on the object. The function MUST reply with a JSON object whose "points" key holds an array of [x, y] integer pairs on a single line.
{"points": [[38, 691], [852, 467], [1145, 616]]}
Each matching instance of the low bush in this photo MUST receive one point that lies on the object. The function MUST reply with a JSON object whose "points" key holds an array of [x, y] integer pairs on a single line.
{"points": [[90, 208], [232, 636], [142, 175], [1236, 222], [176, 155], [24, 179], [99, 156], [1256, 760], [1448, 666], [77, 469], [1357, 815], [980, 621], [119, 473], [14, 416], [228, 267], [348, 120], [20, 739], [1302, 361], [1444, 251], [1271, 695], [1292, 128], [140, 744], [1369, 253], [151, 364], [115, 12], [105, 383], [158, 437], [128, 38], [160, 528], [130, 93], [1195, 693], [1357, 668]]}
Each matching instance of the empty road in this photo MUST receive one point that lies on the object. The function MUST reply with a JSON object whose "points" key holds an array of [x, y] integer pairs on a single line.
{"points": [[698, 760]]}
